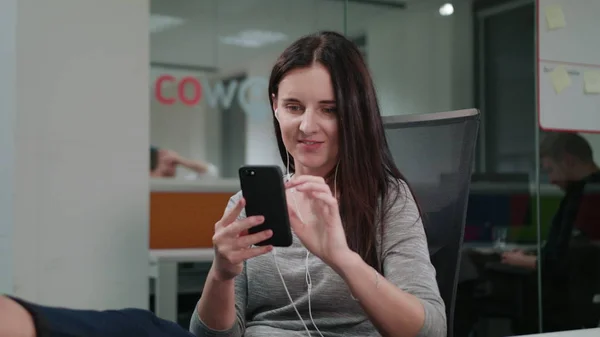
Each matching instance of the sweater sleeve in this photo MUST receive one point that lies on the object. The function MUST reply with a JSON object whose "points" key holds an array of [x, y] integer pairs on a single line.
{"points": [[406, 261], [199, 329]]}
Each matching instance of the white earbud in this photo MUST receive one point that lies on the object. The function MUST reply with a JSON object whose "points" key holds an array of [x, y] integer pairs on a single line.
{"points": [[288, 176], [277, 114]]}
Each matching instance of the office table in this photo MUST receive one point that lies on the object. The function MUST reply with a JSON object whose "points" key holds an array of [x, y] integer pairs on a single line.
{"points": [[163, 267]]}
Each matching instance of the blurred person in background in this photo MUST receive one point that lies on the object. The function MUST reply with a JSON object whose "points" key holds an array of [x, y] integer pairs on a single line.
{"points": [[164, 163], [568, 160]]}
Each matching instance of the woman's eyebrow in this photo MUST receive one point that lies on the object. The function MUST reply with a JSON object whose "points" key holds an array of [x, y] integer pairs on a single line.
{"points": [[295, 100]]}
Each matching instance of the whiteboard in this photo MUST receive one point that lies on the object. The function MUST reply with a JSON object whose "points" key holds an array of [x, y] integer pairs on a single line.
{"points": [[568, 52]]}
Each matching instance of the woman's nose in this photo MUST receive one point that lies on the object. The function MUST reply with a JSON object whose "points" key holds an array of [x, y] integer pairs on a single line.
{"points": [[308, 124]]}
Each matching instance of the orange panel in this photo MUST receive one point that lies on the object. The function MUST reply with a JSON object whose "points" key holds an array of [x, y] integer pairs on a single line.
{"points": [[184, 219]]}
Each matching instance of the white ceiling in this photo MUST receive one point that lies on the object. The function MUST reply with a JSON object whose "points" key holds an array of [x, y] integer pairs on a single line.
{"points": [[196, 42]]}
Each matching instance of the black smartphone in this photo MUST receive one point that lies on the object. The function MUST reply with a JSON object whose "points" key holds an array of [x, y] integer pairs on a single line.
{"points": [[264, 191]]}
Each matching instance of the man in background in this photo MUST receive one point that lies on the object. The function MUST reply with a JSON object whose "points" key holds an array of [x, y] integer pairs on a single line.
{"points": [[164, 164], [568, 160]]}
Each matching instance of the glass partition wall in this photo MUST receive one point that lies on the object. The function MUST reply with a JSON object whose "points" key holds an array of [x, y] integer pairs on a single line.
{"points": [[539, 208], [210, 63]]}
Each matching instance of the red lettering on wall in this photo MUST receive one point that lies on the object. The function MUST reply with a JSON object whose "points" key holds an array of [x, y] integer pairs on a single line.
{"points": [[182, 85], [196, 92], [158, 89]]}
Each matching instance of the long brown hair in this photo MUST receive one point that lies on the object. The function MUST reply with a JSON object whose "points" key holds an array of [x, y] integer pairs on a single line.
{"points": [[366, 170]]}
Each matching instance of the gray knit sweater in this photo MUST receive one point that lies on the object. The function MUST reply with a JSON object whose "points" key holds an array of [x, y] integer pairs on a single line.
{"points": [[263, 307]]}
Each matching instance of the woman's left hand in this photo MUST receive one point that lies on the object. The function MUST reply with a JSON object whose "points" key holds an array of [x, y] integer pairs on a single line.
{"points": [[324, 234]]}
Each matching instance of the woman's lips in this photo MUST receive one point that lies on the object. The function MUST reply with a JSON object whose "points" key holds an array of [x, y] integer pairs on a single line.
{"points": [[310, 145]]}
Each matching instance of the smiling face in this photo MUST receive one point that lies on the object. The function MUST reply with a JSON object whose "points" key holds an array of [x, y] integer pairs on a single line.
{"points": [[306, 111]]}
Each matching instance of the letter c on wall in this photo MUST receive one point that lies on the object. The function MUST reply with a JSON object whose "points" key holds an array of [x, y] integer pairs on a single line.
{"points": [[158, 89]]}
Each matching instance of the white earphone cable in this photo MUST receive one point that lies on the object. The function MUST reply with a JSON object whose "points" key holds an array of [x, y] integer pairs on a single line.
{"points": [[274, 252], [307, 276], [288, 294]]}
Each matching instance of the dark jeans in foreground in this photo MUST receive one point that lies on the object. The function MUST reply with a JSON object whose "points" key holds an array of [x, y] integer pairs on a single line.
{"points": [[62, 322]]}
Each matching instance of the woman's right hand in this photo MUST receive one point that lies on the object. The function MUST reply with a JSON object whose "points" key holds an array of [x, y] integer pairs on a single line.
{"points": [[233, 244]]}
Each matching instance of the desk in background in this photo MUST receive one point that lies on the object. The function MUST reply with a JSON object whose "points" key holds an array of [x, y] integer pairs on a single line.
{"points": [[183, 213], [163, 266], [182, 218]]}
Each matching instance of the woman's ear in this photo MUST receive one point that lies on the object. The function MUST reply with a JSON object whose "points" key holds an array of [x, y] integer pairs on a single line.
{"points": [[274, 100]]}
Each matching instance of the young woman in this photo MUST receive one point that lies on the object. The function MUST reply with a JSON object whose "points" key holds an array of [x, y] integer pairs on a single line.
{"points": [[359, 264]]}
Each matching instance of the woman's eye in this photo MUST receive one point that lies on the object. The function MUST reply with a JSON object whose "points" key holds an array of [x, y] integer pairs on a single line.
{"points": [[294, 108], [330, 110]]}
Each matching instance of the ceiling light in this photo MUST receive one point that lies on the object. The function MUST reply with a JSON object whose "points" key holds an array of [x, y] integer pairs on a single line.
{"points": [[446, 9], [253, 38], [160, 23]]}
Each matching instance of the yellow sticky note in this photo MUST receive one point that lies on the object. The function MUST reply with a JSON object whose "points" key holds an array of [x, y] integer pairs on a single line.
{"points": [[555, 17], [591, 79], [560, 79]]}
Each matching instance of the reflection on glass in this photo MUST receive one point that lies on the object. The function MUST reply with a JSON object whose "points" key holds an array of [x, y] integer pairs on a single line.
{"points": [[569, 262], [499, 236], [498, 292], [505, 285], [165, 163], [210, 63]]}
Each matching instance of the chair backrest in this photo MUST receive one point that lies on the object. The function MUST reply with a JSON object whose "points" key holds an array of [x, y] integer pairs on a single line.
{"points": [[435, 153]]}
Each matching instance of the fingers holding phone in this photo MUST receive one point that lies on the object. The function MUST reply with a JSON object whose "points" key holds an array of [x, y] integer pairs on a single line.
{"points": [[233, 244]]}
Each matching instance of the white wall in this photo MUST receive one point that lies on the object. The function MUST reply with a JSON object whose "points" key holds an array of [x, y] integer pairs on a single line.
{"points": [[80, 193], [8, 55], [179, 128], [261, 144], [422, 62]]}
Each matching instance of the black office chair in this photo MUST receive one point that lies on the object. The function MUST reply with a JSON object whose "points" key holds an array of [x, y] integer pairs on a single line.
{"points": [[435, 152]]}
